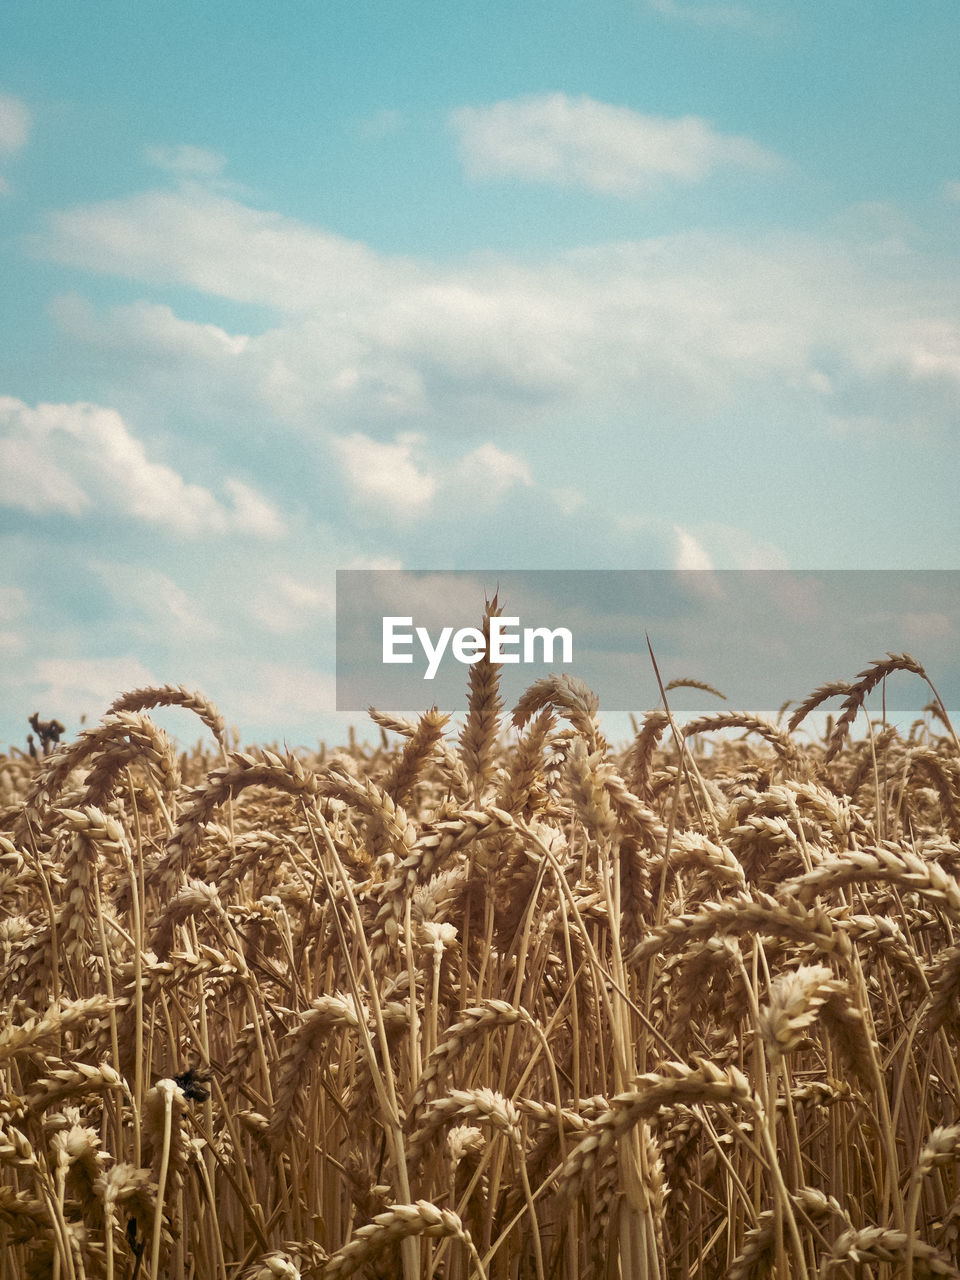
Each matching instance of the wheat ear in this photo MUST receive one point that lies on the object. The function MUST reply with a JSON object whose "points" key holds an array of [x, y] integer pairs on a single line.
{"points": [[399, 1222], [866, 681], [174, 695], [478, 739]]}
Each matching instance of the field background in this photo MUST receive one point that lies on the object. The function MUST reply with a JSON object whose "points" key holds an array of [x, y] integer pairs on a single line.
{"points": [[483, 1005], [572, 284]]}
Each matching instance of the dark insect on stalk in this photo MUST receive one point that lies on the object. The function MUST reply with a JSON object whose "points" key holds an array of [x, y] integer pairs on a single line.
{"points": [[193, 1082]]}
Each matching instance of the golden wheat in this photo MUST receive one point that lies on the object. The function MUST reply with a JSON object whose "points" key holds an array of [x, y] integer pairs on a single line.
{"points": [[483, 1006]]}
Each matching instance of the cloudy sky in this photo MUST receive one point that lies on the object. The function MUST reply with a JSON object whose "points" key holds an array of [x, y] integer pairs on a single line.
{"points": [[578, 284]]}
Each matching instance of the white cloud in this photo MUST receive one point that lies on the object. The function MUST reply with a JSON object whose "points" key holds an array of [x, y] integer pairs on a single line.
{"points": [[568, 500], [922, 629], [278, 693], [163, 609], [148, 327], [14, 131], [13, 603], [373, 562], [386, 474], [14, 124], [216, 244], [434, 600], [398, 476], [736, 16], [491, 471], [74, 458], [684, 325], [723, 546], [689, 554], [75, 687], [704, 547], [265, 697], [286, 605], [250, 512], [581, 142], [187, 161]]}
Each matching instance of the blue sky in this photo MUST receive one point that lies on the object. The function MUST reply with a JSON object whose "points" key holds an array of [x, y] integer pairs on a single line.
{"points": [[604, 284]]}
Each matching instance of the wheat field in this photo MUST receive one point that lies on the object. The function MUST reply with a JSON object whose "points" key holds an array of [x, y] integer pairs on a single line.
{"points": [[496, 1001]]}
